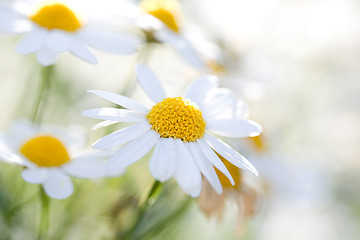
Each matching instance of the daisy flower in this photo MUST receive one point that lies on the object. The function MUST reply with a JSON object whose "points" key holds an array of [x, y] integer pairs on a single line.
{"points": [[49, 157], [179, 129], [161, 23], [52, 27], [242, 194]]}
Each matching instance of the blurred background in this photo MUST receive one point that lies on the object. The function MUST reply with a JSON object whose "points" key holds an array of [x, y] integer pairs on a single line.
{"points": [[297, 65]]}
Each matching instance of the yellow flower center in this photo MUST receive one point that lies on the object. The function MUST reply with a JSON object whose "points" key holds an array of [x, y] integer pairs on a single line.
{"points": [[177, 118], [234, 171], [45, 151], [56, 16], [166, 11]]}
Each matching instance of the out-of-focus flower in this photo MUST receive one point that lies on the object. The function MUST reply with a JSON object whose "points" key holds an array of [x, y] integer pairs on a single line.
{"points": [[178, 128], [53, 27], [162, 23], [49, 157], [244, 196]]}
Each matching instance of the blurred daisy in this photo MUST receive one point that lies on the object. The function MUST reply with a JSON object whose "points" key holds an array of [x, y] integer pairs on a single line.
{"points": [[178, 128], [53, 27], [244, 196], [161, 23], [49, 157]]}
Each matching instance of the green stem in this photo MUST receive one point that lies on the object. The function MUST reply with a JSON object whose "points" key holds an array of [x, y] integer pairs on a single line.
{"points": [[142, 210], [44, 221], [42, 96]]}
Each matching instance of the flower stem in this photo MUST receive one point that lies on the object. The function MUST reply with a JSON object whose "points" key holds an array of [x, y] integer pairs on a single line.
{"points": [[142, 209], [44, 221], [42, 96]]}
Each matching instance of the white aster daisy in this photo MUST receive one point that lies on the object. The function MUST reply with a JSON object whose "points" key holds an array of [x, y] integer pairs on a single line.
{"points": [[161, 23], [52, 27], [49, 157], [179, 129]]}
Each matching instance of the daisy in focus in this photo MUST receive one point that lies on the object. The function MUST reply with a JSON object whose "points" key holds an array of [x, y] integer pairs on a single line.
{"points": [[161, 22], [180, 130], [242, 194], [52, 27], [49, 157]]}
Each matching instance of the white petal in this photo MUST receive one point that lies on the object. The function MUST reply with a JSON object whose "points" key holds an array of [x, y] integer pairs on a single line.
{"points": [[134, 150], [114, 114], [229, 153], [14, 23], [150, 83], [103, 124], [46, 57], [79, 50], [234, 127], [121, 100], [221, 100], [185, 49], [58, 185], [122, 136], [240, 110], [205, 166], [187, 173], [32, 42], [167, 36], [214, 159], [88, 166], [108, 41], [35, 175], [198, 90], [58, 41], [7, 153], [163, 163]]}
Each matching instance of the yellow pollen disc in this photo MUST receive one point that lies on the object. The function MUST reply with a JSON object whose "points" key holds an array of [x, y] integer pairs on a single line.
{"points": [[56, 16], [177, 118], [234, 171], [166, 11], [45, 151]]}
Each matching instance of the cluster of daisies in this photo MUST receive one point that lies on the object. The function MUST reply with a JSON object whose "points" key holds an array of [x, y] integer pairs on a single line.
{"points": [[185, 134]]}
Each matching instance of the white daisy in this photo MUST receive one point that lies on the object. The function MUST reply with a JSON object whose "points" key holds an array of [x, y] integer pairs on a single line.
{"points": [[160, 22], [179, 129], [53, 27], [49, 157]]}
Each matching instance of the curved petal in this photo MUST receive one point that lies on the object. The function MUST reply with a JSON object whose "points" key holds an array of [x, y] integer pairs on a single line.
{"points": [[121, 100], [198, 90], [229, 153], [78, 49], [58, 185], [234, 127], [46, 57], [103, 124], [114, 114], [58, 41], [185, 49], [109, 41], [150, 83], [122, 136], [205, 166], [134, 150], [32, 42], [88, 166], [14, 23], [221, 100], [163, 163], [214, 159], [187, 173], [35, 175]]}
